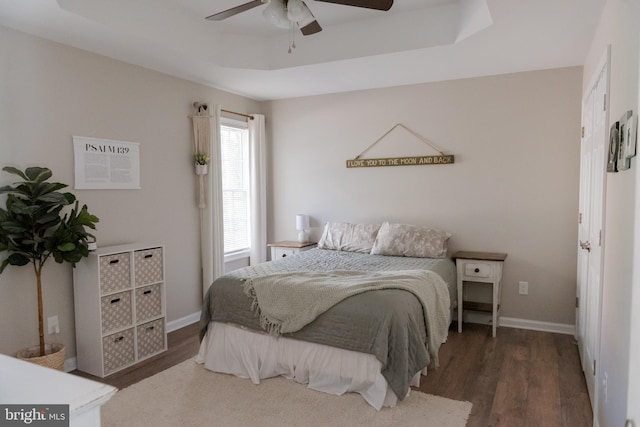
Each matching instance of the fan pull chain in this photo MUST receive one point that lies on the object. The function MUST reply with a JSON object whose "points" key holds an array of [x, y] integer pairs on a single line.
{"points": [[292, 37]]}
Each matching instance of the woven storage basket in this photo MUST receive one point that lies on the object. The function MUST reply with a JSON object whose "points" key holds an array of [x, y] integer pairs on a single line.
{"points": [[53, 358]]}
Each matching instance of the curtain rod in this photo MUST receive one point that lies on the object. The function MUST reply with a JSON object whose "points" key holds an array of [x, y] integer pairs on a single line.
{"points": [[248, 116], [202, 106]]}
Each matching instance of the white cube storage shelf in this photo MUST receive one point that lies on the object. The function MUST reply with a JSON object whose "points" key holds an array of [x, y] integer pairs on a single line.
{"points": [[120, 309]]}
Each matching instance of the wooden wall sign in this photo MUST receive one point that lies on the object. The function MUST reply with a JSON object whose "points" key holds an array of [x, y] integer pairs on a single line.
{"points": [[441, 159], [401, 161]]}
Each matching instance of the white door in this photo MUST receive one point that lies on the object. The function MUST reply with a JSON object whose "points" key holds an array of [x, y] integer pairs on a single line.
{"points": [[593, 161]]}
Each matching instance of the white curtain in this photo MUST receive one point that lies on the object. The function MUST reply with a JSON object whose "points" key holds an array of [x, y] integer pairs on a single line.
{"points": [[258, 154], [210, 198]]}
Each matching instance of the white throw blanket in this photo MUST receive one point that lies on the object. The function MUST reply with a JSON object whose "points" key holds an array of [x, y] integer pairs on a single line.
{"points": [[286, 302]]}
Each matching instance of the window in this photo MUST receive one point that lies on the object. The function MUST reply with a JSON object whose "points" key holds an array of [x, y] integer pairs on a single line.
{"points": [[234, 142]]}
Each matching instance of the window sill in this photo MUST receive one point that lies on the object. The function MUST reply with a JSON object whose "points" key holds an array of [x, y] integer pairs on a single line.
{"points": [[234, 256]]}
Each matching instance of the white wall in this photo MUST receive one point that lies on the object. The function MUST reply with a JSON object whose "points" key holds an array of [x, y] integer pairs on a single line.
{"points": [[50, 92], [618, 27], [513, 187]]}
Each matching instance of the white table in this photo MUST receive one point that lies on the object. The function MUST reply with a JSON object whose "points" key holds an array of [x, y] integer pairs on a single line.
{"points": [[480, 267], [26, 383]]}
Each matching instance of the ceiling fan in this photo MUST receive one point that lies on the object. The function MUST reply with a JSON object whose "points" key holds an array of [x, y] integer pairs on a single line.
{"points": [[286, 13]]}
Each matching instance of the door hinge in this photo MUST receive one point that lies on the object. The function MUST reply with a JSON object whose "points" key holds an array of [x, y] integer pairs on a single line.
{"points": [[577, 302], [600, 238], [594, 367], [604, 103], [583, 131], [580, 218]]}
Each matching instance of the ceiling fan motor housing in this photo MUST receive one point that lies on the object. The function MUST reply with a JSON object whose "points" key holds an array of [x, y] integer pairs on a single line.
{"points": [[285, 13]]}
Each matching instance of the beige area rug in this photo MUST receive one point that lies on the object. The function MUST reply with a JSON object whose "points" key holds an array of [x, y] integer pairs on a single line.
{"points": [[189, 395]]}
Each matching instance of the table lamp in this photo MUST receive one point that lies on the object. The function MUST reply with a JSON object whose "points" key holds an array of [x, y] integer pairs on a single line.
{"points": [[302, 225]]}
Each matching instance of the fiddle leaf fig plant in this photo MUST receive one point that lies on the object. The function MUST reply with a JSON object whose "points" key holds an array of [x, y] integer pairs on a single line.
{"points": [[33, 227]]}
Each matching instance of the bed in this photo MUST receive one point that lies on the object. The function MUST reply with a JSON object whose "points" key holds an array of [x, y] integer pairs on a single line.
{"points": [[392, 313]]}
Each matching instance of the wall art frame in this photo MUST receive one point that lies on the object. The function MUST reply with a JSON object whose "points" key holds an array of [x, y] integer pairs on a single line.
{"points": [[614, 146], [630, 130], [624, 135], [105, 164]]}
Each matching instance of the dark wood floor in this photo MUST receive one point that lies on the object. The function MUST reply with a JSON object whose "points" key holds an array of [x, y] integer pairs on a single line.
{"points": [[520, 378]]}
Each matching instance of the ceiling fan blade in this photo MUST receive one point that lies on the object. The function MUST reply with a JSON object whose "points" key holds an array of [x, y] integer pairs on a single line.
{"points": [[368, 4], [235, 10], [308, 24], [311, 28]]}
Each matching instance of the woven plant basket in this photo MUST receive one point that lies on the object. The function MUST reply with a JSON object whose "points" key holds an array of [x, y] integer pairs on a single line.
{"points": [[53, 358]]}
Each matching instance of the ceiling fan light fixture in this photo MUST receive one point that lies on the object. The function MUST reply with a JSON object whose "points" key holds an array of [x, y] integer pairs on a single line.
{"points": [[275, 13], [296, 10]]}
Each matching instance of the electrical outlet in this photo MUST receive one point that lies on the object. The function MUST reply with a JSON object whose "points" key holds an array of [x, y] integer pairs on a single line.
{"points": [[53, 325], [523, 288]]}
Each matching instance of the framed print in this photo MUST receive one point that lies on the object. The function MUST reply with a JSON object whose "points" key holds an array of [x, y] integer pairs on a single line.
{"points": [[102, 164], [630, 134], [614, 144], [623, 162]]}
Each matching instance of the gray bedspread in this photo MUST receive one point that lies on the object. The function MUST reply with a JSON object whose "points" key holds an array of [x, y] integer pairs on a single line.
{"points": [[388, 324]]}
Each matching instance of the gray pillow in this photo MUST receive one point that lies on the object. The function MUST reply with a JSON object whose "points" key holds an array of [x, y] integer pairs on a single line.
{"points": [[410, 240], [343, 236]]}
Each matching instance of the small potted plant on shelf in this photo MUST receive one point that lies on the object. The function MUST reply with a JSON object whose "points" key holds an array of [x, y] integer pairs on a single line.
{"points": [[33, 228], [202, 163]]}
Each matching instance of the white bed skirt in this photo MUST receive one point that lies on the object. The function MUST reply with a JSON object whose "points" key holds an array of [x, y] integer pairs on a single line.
{"points": [[244, 353]]}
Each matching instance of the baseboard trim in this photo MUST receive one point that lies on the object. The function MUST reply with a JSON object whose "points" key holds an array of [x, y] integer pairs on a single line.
{"points": [[558, 328], [183, 321], [513, 322], [70, 364], [508, 322]]}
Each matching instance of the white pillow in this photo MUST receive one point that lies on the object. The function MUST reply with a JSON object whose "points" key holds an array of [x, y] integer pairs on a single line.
{"points": [[343, 236], [410, 240]]}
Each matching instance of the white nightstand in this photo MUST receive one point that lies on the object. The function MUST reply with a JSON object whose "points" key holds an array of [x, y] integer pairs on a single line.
{"points": [[289, 248], [480, 267]]}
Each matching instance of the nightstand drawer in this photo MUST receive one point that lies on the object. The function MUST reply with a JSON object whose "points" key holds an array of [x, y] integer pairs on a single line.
{"points": [[477, 269], [284, 252], [289, 248]]}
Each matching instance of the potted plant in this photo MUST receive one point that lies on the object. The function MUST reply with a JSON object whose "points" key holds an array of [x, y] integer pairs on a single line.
{"points": [[202, 162], [33, 229]]}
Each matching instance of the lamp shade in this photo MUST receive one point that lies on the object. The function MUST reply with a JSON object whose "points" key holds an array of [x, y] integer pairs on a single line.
{"points": [[302, 222]]}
